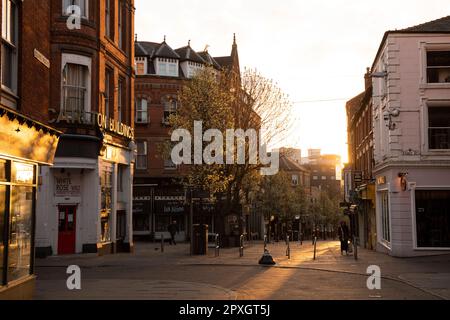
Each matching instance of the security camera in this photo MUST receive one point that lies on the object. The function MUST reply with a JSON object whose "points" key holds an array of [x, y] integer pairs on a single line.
{"points": [[386, 115]]}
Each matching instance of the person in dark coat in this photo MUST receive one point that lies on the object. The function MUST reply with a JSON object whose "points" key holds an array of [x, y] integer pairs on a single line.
{"points": [[344, 237], [173, 230]]}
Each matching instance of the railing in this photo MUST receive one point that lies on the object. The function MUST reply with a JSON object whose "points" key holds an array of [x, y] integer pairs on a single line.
{"points": [[241, 246], [288, 249], [217, 245], [315, 247]]}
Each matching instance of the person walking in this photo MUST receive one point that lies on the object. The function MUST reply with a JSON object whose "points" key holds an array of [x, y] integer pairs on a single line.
{"points": [[344, 236], [173, 230]]}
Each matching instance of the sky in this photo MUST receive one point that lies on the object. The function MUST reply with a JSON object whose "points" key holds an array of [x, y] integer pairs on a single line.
{"points": [[316, 51]]}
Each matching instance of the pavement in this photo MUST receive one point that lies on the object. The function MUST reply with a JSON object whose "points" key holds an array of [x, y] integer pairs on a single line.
{"points": [[149, 274]]}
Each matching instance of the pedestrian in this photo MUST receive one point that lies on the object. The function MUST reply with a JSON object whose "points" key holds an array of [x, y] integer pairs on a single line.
{"points": [[173, 230], [344, 236]]}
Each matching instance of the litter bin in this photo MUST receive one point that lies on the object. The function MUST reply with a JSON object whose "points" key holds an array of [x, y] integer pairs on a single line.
{"points": [[200, 239]]}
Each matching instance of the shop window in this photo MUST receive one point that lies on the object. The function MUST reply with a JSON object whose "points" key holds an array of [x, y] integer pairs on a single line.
{"points": [[439, 128], [433, 218], [385, 217], [438, 66], [142, 111], [106, 204], [9, 45], [20, 233], [75, 90]]}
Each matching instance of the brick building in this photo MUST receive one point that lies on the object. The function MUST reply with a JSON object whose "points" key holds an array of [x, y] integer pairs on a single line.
{"points": [[27, 144], [159, 198], [87, 194], [360, 178], [324, 171]]}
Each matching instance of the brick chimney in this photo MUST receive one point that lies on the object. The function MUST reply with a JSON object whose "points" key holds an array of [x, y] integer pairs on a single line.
{"points": [[367, 79]]}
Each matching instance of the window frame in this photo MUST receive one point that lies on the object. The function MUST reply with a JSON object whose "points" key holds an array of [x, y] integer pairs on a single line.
{"points": [[144, 155], [9, 43], [429, 127], [140, 112], [84, 14], [428, 67]]}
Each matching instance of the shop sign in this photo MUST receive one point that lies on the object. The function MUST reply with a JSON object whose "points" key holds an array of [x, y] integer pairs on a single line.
{"points": [[381, 180], [67, 187], [95, 119], [358, 176]]}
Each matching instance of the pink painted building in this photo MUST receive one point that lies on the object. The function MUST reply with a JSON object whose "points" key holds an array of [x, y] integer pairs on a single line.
{"points": [[411, 119]]}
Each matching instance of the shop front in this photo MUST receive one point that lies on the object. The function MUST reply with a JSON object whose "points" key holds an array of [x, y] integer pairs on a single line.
{"points": [[25, 146], [87, 194], [413, 211]]}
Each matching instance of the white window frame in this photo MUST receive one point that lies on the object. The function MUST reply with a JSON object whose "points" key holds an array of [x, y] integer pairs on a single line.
{"points": [[80, 60], [144, 154], [163, 67], [11, 42], [385, 220], [67, 3], [142, 111]]}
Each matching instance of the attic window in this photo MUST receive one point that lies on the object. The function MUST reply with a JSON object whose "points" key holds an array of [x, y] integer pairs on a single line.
{"points": [[438, 66], [167, 67]]}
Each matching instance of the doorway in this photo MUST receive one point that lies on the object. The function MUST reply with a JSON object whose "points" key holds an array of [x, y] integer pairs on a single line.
{"points": [[67, 230]]}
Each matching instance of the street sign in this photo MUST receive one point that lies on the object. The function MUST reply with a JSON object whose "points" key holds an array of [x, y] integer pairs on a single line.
{"points": [[358, 176]]}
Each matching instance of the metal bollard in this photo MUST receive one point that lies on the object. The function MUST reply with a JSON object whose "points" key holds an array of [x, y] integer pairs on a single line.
{"points": [[162, 242], [241, 248], [288, 250], [355, 247], [265, 243], [315, 247], [217, 245]]}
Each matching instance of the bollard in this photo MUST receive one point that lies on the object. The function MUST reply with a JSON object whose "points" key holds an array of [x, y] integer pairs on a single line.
{"points": [[265, 243], [315, 247], [355, 247], [217, 245], [288, 250], [162, 242], [241, 248]]}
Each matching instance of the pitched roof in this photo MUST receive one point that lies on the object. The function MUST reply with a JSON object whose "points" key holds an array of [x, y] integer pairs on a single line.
{"points": [[145, 48], [225, 62], [438, 25], [287, 164], [187, 54], [209, 60], [165, 51]]}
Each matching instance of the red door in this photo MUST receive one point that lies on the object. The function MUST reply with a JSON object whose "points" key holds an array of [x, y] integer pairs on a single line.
{"points": [[67, 229]]}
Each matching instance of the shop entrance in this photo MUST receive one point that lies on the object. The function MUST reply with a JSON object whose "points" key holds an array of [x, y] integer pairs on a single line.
{"points": [[67, 230]]}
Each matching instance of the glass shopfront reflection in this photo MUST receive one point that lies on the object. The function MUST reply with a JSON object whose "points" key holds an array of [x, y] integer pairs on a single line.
{"points": [[19, 247], [2, 229], [17, 200]]}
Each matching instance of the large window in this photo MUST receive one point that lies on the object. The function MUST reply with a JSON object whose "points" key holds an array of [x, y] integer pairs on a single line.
{"points": [[74, 90], [439, 128], [433, 218], [121, 100], [9, 45], [438, 66], [82, 4], [17, 201], [142, 155], [109, 87], [385, 217], [141, 110], [109, 17], [106, 202]]}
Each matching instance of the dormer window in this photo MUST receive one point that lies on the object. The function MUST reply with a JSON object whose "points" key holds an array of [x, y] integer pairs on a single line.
{"points": [[167, 67], [193, 68], [140, 66]]}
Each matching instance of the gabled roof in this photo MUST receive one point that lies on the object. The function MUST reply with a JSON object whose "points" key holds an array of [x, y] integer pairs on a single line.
{"points": [[165, 51], [144, 48], [438, 25], [187, 54], [287, 164], [209, 59], [225, 62]]}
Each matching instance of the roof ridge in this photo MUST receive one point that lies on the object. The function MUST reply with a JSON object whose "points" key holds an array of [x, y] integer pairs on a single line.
{"points": [[424, 25]]}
